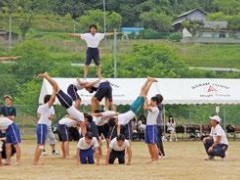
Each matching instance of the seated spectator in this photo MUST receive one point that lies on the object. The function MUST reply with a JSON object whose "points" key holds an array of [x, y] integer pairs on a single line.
{"points": [[171, 128]]}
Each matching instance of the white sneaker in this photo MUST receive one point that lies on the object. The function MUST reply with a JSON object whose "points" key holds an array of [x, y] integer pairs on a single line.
{"points": [[45, 153], [55, 153]]}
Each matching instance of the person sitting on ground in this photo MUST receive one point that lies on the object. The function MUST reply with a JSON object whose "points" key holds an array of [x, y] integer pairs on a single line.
{"points": [[117, 148], [87, 147], [171, 128], [217, 143]]}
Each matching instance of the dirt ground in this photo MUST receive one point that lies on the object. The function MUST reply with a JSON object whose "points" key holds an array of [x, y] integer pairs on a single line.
{"points": [[184, 161]]}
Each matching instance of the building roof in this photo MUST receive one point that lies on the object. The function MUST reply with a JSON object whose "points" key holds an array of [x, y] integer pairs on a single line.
{"points": [[190, 12], [216, 25]]}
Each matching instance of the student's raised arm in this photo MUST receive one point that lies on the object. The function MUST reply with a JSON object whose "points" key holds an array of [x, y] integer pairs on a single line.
{"points": [[146, 105], [52, 98]]}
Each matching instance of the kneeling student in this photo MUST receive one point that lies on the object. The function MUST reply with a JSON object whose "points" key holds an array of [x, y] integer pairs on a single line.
{"points": [[86, 148], [116, 150], [217, 143]]}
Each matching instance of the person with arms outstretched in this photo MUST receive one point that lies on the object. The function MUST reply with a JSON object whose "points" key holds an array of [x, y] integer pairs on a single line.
{"points": [[93, 39]]}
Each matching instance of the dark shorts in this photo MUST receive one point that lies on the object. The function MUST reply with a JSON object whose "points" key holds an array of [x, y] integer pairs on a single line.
{"points": [[120, 155], [87, 156], [13, 134], [92, 54], [151, 134], [103, 130], [72, 92], [64, 99], [41, 132], [63, 132], [104, 90]]}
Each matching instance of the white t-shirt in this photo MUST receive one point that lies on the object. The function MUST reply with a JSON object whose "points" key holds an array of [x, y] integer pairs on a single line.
{"points": [[125, 118], [114, 145], [68, 122], [92, 41], [96, 85], [100, 121], [5, 122], [152, 116], [218, 131], [84, 146], [45, 112], [76, 114]]}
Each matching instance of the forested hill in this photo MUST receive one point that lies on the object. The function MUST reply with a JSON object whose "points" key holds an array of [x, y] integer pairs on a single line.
{"points": [[132, 11]]}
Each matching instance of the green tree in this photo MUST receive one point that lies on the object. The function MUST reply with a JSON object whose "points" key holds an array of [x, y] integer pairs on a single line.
{"points": [[34, 58], [114, 20], [156, 21]]}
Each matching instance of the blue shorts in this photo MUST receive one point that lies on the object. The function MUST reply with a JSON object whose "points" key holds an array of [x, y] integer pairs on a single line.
{"points": [[92, 54], [72, 92], [13, 134], [63, 132], [137, 105], [64, 99], [87, 156], [151, 134], [104, 90], [41, 132]]}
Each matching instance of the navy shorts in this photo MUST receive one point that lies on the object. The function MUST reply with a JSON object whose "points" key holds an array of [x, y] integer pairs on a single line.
{"points": [[87, 156], [72, 92], [104, 90], [41, 132], [103, 130], [92, 54], [151, 134], [64, 99], [13, 134], [63, 132]]}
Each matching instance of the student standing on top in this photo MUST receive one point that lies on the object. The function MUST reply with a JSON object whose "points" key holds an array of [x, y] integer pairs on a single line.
{"points": [[93, 39]]}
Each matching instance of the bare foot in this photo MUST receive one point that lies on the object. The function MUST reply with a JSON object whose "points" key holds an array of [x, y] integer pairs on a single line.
{"points": [[43, 75], [38, 164], [152, 79], [150, 162]]}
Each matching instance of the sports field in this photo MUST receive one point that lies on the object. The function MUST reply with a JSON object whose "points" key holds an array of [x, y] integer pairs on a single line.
{"points": [[185, 160]]}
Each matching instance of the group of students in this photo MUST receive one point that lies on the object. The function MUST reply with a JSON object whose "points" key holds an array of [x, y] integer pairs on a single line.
{"points": [[92, 125]]}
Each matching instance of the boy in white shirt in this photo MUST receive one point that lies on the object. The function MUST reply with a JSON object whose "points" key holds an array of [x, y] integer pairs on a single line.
{"points": [[86, 148], [93, 39], [151, 133], [44, 114], [117, 148], [217, 143]]}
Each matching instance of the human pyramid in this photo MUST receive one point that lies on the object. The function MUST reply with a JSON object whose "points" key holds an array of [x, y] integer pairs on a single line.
{"points": [[92, 125]]}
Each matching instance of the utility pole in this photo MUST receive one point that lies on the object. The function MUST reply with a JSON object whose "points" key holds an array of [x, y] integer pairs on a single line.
{"points": [[10, 33], [115, 53], [104, 16]]}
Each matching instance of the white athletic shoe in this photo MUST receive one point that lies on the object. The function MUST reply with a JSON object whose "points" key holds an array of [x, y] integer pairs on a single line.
{"points": [[45, 153], [55, 153]]}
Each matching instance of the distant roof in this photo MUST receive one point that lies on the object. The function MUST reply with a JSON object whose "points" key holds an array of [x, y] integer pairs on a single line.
{"points": [[191, 11], [132, 29], [216, 25]]}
